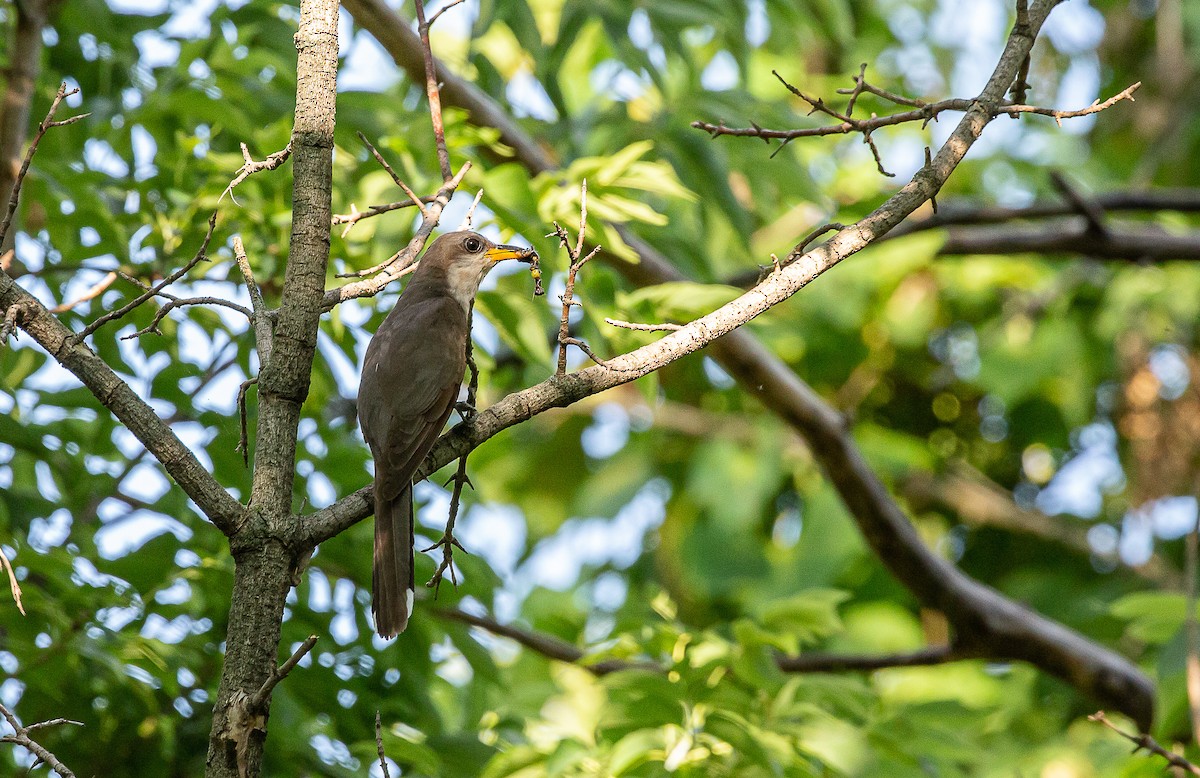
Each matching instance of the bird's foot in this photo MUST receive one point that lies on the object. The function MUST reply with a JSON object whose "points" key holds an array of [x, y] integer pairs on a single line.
{"points": [[465, 409], [447, 543]]}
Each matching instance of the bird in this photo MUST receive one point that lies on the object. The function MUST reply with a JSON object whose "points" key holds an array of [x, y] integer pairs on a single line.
{"points": [[411, 376]]}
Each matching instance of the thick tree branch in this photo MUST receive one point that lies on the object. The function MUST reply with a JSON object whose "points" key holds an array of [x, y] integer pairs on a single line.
{"points": [[992, 625]]}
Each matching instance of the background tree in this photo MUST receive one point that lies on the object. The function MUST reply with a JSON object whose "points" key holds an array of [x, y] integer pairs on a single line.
{"points": [[669, 575]]}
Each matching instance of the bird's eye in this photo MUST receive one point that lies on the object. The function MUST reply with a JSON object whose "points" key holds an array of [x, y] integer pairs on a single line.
{"points": [[473, 245]]}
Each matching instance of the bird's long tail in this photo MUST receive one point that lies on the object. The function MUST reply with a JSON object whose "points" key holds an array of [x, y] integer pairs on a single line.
{"points": [[392, 580]]}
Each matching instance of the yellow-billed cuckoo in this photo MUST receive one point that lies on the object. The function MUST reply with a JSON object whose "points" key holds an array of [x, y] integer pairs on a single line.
{"points": [[411, 377]]}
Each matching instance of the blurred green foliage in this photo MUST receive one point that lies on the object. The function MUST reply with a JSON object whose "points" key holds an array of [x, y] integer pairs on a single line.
{"points": [[674, 519]]}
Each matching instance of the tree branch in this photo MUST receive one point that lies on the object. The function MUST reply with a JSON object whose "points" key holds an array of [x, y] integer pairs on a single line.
{"points": [[21, 737], [555, 648], [1129, 244], [997, 627]]}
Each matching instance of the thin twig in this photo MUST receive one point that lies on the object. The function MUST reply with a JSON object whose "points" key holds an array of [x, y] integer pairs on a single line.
{"points": [[260, 317], [628, 325], [460, 478], [441, 11], [397, 265], [1192, 663], [243, 445], [251, 167], [180, 302], [21, 737], [433, 93], [92, 293], [379, 746], [259, 700], [46, 124], [12, 581], [922, 112], [154, 290], [1090, 210], [568, 296], [469, 215], [355, 215], [1143, 741], [412, 197]]}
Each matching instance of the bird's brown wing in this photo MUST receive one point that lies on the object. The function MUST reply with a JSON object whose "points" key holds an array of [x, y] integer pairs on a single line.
{"points": [[411, 377]]}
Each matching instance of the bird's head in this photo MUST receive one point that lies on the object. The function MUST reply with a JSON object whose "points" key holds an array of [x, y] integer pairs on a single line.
{"points": [[463, 258]]}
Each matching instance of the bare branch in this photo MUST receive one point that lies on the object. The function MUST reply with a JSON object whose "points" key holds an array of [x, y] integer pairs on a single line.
{"points": [[13, 586], [433, 19], [92, 293], [923, 113], [154, 290], [251, 167], [466, 222], [1148, 743], [46, 124], [260, 316], [259, 700], [180, 302], [379, 746], [21, 737], [397, 265], [355, 215], [433, 93], [243, 445], [643, 327]]}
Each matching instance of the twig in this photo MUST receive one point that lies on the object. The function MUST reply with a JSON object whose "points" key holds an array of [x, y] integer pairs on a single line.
{"points": [[412, 197], [643, 327], [568, 295], [244, 441], [460, 479], [466, 222], [555, 648], [434, 93], [12, 581], [179, 302], [922, 112], [251, 167], [46, 124], [379, 746], [441, 11], [154, 290], [355, 215], [260, 318], [259, 700], [21, 737], [1088, 209], [1192, 664], [96, 290], [396, 265], [1143, 741]]}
